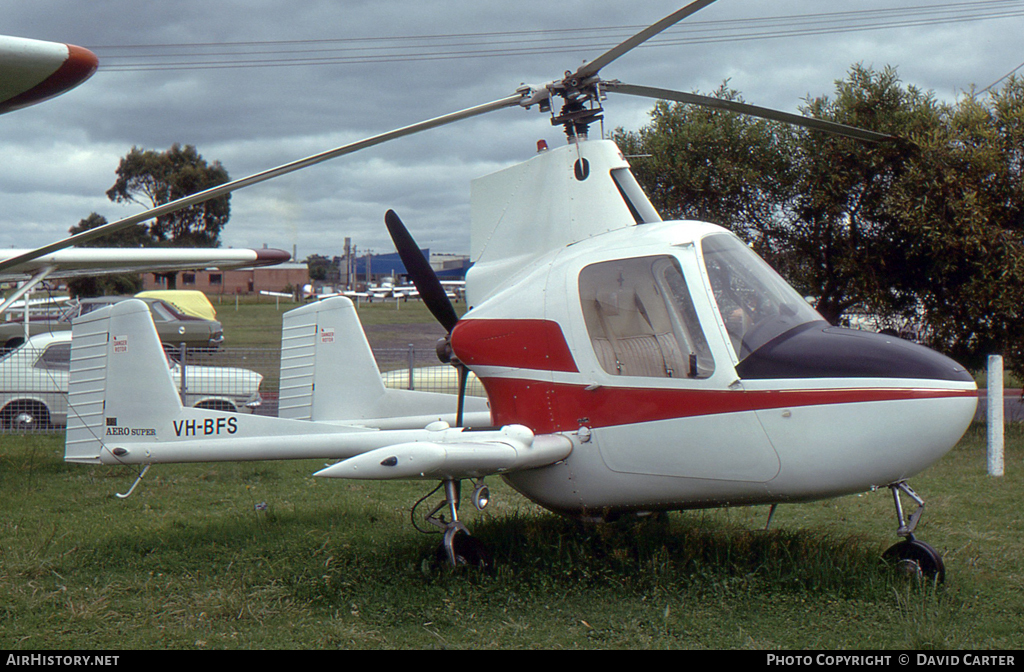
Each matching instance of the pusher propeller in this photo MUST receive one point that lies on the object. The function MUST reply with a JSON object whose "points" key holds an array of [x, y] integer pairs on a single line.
{"points": [[423, 277]]}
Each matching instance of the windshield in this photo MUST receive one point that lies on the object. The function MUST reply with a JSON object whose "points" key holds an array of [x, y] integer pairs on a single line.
{"points": [[755, 303]]}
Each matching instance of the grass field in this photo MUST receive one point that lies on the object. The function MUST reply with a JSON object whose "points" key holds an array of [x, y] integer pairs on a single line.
{"points": [[190, 561], [256, 323], [262, 555]]}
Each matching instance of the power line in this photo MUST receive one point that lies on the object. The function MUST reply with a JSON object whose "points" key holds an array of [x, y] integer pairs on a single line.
{"points": [[352, 51]]}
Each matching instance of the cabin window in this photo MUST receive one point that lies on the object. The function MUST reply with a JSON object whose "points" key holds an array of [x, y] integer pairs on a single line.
{"points": [[755, 303], [641, 319]]}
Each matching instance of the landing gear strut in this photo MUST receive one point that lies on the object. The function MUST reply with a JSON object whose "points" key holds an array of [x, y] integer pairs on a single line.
{"points": [[911, 556], [458, 548]]}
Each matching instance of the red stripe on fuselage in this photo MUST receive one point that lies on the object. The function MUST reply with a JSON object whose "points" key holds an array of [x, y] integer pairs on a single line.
{"points": [[517, 344], [557, 407]]}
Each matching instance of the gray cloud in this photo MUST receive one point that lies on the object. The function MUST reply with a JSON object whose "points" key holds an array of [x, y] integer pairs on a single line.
{"points": [[60, 157]]}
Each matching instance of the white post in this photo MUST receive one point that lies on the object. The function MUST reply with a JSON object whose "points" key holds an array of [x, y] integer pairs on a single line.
{"points": [[994, 415]]}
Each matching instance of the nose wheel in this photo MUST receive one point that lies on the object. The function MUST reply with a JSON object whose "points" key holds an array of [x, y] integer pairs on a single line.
{"points": [[916, 559], [911, 556]]}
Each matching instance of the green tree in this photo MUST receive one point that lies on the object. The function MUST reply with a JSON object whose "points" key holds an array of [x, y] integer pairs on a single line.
{"points": [[118, 283], [929, 228], [838, 238], [319, 267], [154, 178], [963, 206], [714, 166]]}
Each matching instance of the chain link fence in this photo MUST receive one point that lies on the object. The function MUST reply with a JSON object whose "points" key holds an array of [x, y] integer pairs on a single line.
{"points": [[34, 380]]}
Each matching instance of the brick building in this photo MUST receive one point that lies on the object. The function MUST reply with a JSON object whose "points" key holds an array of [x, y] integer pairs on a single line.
{"points": [[279, 278]]}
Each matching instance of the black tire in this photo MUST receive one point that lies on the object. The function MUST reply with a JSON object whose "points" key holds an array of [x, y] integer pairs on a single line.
{"points": [[25, 416], [469, 552], [916, 559]]}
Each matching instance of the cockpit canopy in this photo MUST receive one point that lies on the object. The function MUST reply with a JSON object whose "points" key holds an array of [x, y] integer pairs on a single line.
{"points": [[642, 320], [756, 304]]}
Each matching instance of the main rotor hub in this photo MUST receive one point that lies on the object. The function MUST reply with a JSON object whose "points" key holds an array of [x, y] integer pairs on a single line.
{"points": [[582, 106], [576, 118]]}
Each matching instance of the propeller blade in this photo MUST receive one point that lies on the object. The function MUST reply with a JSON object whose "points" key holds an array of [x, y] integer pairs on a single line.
{"points": [[592, 68], [228, 187], [430, 288], [463, 379], [752, 110]]}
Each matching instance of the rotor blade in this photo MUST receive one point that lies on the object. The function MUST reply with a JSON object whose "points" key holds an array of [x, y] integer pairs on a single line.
{"points": [[228, 187], [430, 288], [752, 110], [591, 68]]}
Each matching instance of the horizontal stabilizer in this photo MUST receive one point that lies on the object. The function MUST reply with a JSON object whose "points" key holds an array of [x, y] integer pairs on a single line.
{"points": [[124, 409], [465, 454], [123, 406]]}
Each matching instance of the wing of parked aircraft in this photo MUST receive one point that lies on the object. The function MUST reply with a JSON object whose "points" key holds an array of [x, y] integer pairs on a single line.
{"points": [[76, 261]]}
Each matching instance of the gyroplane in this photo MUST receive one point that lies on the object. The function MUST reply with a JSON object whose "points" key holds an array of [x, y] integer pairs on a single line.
{"points": [[631, 364]]}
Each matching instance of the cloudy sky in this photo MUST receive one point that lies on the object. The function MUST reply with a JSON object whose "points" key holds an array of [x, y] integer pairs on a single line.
{"points": [[259, 83]]}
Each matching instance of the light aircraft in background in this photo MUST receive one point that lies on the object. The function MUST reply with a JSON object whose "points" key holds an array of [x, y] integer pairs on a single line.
{"points": [[455, 289], [32, 71], [631, 364]]}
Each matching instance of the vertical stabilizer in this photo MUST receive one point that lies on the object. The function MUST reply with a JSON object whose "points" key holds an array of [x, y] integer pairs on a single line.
{"points": [[329, 374], [118, 371], [327, 368]]}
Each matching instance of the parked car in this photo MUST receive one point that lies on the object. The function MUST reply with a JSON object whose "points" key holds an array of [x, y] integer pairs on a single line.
{"points": [[443, 379], [34, 384], [173, 326], [42, 319]]}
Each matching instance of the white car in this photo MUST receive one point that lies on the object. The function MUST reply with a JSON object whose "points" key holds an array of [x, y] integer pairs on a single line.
{"points": [[34, 384], [443, 379]]}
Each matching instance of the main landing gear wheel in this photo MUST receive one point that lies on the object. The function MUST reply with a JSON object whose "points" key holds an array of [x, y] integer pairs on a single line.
{"points": [[459, 549], [912, 557], [916, 559]]}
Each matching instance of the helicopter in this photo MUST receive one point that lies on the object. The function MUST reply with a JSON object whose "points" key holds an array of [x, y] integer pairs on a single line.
{"points": [[631, 365]]}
